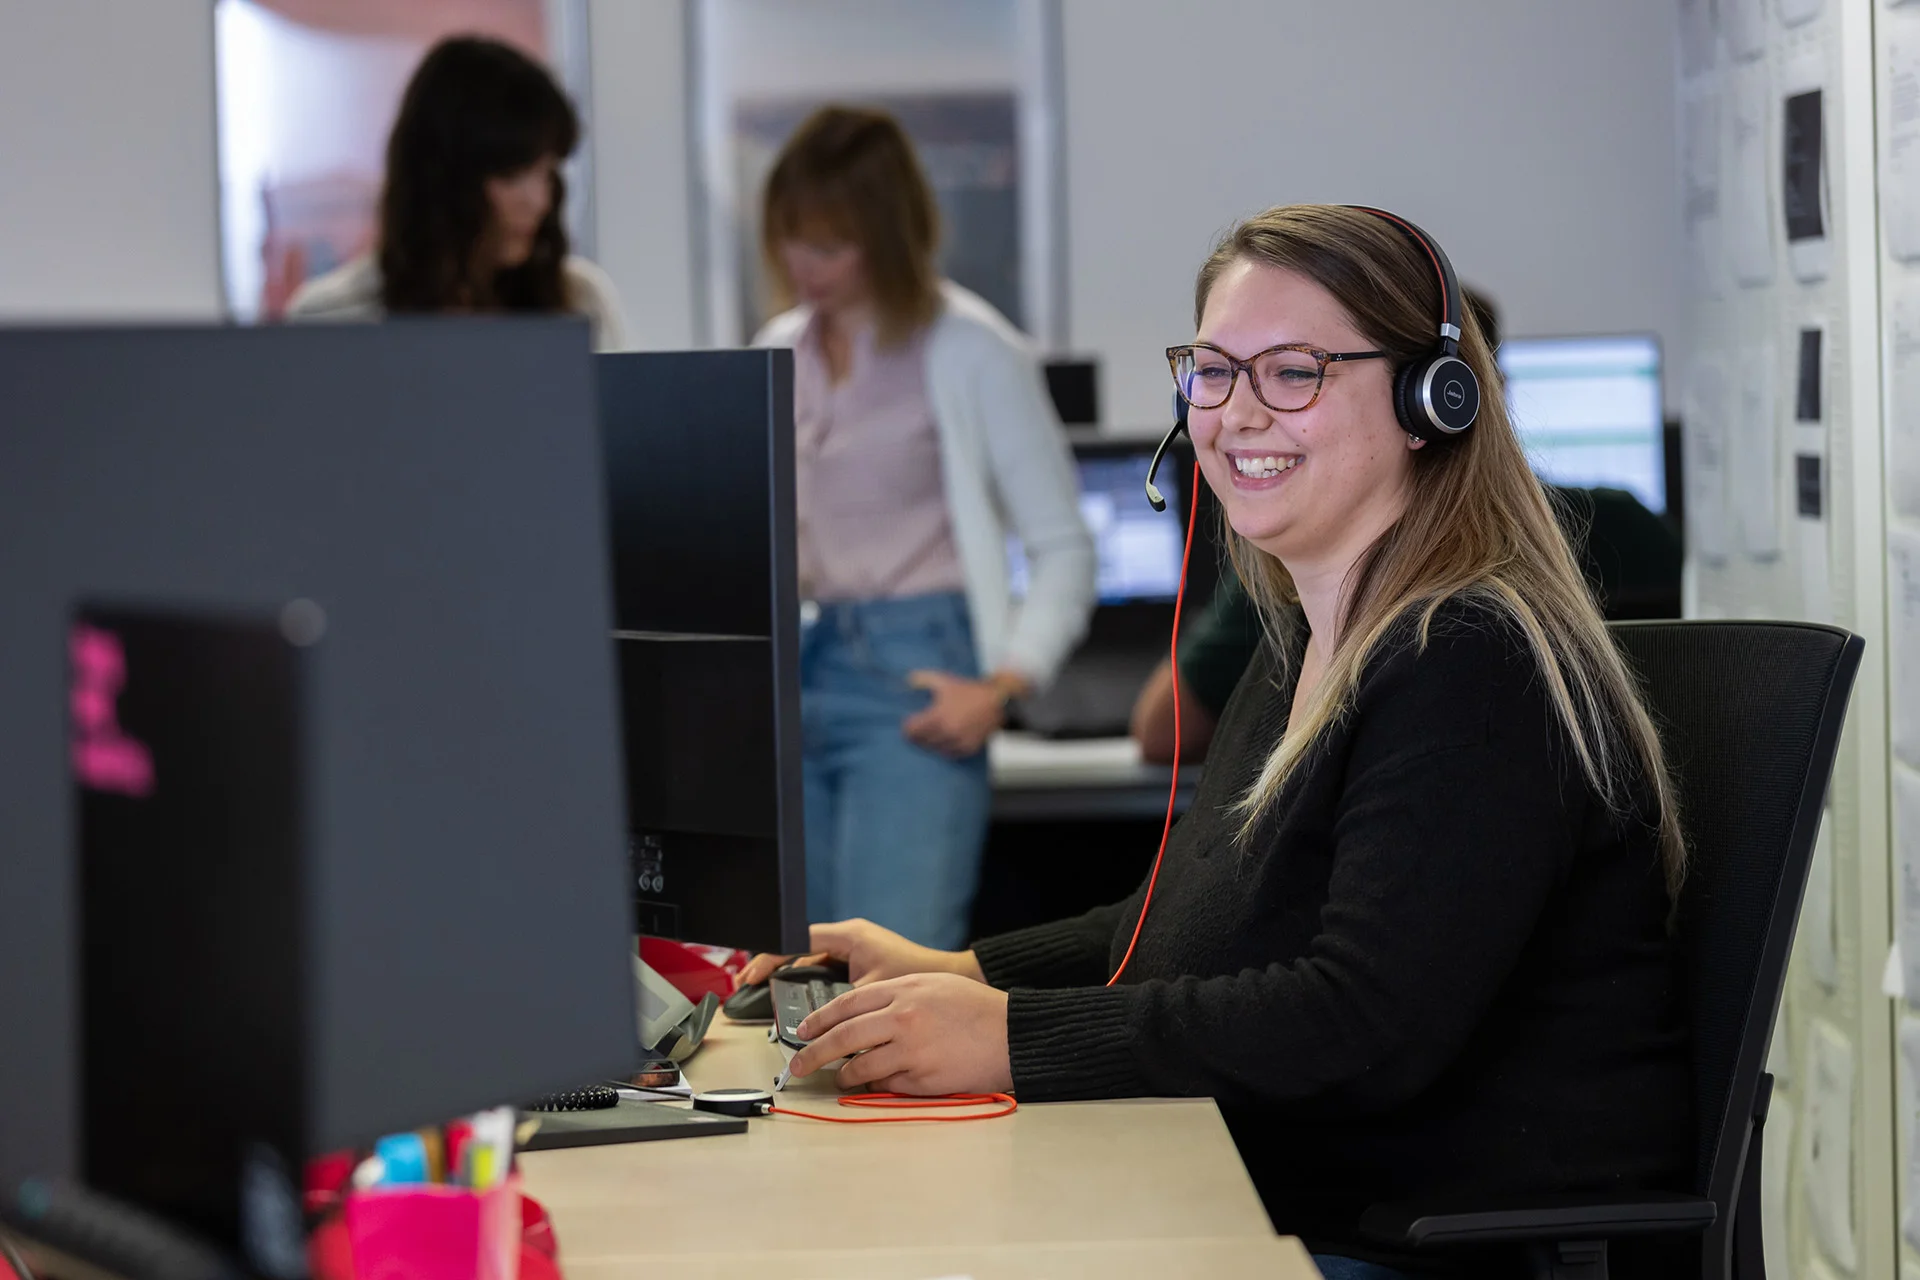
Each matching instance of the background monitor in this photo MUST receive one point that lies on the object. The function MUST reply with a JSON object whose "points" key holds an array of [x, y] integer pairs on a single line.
{"points": [[1138, 548], [1073, 382], [434, 487], [1588, 411]]}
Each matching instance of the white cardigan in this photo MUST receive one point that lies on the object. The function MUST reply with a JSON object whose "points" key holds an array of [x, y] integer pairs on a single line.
{"points": [[1006, 468]]}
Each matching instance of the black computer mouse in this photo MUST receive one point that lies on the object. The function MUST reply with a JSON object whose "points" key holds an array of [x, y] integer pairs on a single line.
{"points": [[750, 1004], [825, 971]]}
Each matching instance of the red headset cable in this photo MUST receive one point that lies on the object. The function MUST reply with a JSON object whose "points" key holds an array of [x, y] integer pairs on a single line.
{"points": [[1173, 787], [905, 1100]]}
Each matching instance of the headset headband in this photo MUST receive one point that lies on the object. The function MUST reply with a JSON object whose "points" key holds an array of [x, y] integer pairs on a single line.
{"points": [[1450, 307]]}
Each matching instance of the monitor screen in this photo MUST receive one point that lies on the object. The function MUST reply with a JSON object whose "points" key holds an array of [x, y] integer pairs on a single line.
{"points": [[1138, 547], [1588, 411]]}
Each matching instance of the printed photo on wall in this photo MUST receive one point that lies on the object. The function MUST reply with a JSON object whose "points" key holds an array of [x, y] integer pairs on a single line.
{"points": [[1803, 174]]}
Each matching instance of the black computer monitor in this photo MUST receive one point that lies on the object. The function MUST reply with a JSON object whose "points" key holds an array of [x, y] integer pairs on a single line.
{"points": [[433, 489], [1073, 383], [193, 799], [700, 490]]}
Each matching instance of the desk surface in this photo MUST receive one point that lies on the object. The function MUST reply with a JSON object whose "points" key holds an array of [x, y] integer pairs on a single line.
{"points": [[1037, 779], [1148, 1187]]}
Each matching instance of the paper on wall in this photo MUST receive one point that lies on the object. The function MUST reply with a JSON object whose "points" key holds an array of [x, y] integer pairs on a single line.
{"points": [[1744, 24], [1795, 12], [1753, 456], [1705, 406], [1910, 1117], [1903, 635], [1826, 1147], [1900, 162], [1776, 1166], [1697, 36], [1906, 878], [1893, 975], [1903, 411], [1816, 568], [1700, 182], [1804, 195], [1747, 209], [1816, 912]]}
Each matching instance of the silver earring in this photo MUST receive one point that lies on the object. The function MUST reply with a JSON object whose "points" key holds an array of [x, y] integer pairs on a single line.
{"points": [[1414, 440]]}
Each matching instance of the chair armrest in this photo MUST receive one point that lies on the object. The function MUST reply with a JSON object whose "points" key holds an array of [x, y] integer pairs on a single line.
{"points": [[1515, 1219]]}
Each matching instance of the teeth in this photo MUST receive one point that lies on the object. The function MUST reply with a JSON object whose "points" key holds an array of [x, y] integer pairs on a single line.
{"points": [[1264, 467]]}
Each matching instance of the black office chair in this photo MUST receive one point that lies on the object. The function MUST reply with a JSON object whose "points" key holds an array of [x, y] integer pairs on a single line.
{"points": [[1750, 716]]}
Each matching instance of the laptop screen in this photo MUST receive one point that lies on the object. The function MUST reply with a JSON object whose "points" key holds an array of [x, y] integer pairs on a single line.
{"points": [[1138, 548]]}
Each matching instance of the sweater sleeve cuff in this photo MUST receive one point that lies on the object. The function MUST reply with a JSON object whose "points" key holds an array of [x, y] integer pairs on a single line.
{"points": [[1070, 1044], [1035, 957]]}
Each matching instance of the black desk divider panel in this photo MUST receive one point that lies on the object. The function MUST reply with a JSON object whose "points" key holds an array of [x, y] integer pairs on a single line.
{"points": [[700, 480], [434, 487]]}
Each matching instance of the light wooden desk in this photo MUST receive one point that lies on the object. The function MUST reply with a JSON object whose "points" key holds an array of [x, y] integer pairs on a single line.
{"points": [[1109, 1189]]}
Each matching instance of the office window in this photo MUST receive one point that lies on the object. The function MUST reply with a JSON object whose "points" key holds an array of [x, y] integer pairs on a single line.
{"points": [[306, 93], [975, 84]]}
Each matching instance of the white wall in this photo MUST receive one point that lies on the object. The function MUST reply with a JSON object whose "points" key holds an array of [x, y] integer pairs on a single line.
{"points": [[638, 132], [107, 184], [1534, 139]]}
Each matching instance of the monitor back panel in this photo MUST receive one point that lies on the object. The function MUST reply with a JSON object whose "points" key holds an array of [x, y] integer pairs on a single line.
{"points": [[434, 486]]}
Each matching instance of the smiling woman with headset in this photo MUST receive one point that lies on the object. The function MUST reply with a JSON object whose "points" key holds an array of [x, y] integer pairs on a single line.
{"points": [[1412, 934]]}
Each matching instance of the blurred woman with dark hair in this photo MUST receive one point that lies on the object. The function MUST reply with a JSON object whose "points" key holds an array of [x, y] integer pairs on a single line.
{"points": [[472, 213]]}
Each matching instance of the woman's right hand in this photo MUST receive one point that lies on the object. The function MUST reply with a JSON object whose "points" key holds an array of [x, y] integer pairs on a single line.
{"points": [[871, 954]]}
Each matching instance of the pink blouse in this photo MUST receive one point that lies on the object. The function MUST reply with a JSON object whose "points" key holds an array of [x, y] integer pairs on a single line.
{"points": [[873, 519]]}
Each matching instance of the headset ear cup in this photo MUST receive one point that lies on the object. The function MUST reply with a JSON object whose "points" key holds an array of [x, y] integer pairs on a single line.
{"points": [[1406, 391]]}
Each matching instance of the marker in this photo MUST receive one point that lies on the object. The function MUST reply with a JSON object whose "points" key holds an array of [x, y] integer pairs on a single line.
{"points": [[459, 1141], [404, 1158]]}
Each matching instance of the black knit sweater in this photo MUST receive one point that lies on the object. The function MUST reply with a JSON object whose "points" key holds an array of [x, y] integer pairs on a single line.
{"points": [[1439, 965]]}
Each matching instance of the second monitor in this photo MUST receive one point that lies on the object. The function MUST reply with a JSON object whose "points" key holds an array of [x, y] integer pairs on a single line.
{"points": [[700, 484]]}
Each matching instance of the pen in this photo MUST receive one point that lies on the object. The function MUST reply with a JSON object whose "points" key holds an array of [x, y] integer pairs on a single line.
{"points": [[786, 1074]]}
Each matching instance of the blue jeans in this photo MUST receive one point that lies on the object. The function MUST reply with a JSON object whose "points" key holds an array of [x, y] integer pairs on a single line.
{"points": [[893, 830], [1337, 1268]]}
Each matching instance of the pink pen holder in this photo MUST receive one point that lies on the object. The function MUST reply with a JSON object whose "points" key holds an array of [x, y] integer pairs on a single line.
{"points": [[435, 1232]]}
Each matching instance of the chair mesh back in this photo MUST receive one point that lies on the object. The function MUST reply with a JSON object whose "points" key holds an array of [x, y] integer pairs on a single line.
{"points": [[1740, 709]]}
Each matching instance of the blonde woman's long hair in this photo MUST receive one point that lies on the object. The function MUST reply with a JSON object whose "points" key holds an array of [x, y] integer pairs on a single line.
{"points": [[1477, 526]]}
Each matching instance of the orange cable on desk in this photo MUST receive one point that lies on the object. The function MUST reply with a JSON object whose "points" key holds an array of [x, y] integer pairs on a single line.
{"points": [[906, 1100]]}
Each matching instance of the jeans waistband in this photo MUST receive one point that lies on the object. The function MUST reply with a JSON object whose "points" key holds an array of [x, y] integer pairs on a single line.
{"points": [[847, 616]]}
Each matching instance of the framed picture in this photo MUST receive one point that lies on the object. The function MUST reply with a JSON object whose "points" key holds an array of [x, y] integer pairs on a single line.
{"points": [[976, 88]]}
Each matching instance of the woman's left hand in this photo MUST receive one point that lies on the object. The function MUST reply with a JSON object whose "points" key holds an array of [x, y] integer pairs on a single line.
{"points": [[925, 1034], [962, 716]]}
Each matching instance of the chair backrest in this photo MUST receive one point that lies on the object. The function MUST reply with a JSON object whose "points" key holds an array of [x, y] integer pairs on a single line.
{"points": [[1749, 714]]}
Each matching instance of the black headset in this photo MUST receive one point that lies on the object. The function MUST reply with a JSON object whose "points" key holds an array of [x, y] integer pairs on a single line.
{"points": [[1435, 397]]}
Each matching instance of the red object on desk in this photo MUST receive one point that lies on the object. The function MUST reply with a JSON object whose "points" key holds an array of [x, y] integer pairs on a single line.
{"points": [[692, 969], [330, 1251]]}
